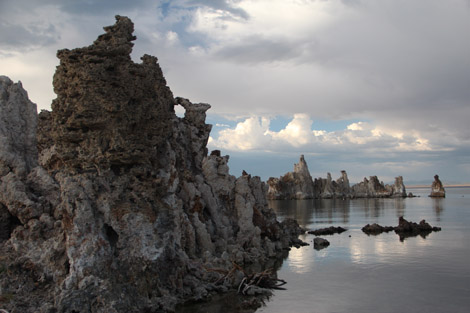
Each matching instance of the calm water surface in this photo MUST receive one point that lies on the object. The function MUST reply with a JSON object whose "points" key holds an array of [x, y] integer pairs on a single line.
{"points": [[360, 273]]}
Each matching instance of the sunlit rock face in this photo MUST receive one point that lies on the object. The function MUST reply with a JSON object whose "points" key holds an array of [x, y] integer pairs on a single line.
{"points": [[299, 185], [119, 208], [437, 188]]}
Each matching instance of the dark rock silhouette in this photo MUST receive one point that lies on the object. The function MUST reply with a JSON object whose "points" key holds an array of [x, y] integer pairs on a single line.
{"points": [[320, 243], [327, 231], [404, 229], [376, 229]]}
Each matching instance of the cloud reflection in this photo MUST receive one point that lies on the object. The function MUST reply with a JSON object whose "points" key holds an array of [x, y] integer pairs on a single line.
{"points": [[301, 260]]}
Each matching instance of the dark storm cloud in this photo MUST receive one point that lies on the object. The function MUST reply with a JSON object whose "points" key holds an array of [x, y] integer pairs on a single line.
{"points": [[20, 37], [99, 7], [73, 6], [256, 49]]}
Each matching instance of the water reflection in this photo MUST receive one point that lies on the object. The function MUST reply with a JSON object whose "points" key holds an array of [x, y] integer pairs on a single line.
{"points": [[353, 245], [360, 273], [437, 204], [308, 213], [299, 261]]}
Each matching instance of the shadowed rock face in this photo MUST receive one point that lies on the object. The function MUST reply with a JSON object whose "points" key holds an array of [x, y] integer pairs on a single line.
{"points": [[122, 211]]}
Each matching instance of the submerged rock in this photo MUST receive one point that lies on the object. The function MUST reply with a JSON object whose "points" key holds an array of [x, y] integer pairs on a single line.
{"points": [[404, 229], [328, 231], [117, 207], [376, 229], [437, 189], [320, 243]]}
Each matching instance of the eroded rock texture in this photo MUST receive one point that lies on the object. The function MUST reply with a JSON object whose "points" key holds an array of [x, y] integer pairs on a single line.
{"points": [[299, 185], [437, 189], [373, 188], [122, 211], [293, 185]]}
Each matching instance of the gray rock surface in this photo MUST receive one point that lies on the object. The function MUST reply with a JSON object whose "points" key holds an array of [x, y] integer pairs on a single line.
{"points": [[18, 121], [120, 209]]}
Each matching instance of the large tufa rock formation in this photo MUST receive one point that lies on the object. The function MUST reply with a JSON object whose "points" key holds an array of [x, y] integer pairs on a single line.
{"points": [[122, 211], [299, 185], [437, 189], [294, 185], [373, 188]]}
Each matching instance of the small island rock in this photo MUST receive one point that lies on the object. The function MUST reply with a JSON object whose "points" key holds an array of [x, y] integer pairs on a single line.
{"points": [[437, 189]]}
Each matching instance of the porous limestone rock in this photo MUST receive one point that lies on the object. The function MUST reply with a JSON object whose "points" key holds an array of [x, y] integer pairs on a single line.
{"points": [[437, 189], [124, 211]]}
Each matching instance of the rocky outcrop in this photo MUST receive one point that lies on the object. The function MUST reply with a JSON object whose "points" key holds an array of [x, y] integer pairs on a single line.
{"points": [[404, 229], [327, 231], [299, 185], [294, 185], [320, 243], [18, 158], [437, 189], [117, 207], [376, 229], [373, 188]]}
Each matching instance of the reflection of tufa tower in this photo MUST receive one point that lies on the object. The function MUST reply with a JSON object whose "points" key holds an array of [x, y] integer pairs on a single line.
{"points": [[437, 189]]}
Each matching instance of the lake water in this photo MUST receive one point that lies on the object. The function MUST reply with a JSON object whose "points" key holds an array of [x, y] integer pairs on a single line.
{"points": [[361, 273]]}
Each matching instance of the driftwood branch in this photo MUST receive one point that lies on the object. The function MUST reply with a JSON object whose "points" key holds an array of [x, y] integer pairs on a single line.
{"points": [[265, 279]]}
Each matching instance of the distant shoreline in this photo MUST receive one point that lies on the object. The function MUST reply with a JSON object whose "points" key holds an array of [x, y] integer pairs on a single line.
{"points": [[467, 185]]}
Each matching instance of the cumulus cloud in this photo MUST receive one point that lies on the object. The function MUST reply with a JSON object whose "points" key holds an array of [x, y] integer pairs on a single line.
{"points": [[254, 134]]}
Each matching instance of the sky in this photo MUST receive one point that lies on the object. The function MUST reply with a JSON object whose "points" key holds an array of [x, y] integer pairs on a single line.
{"points": [[373, 87]]}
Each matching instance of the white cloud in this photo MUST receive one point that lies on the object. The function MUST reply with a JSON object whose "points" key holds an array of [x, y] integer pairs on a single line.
{"points": [[298, 136], [250, 134], [171, 37], [298, 132]]}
